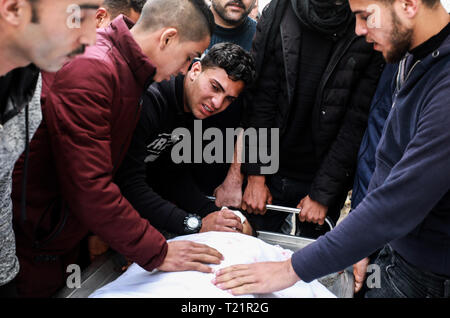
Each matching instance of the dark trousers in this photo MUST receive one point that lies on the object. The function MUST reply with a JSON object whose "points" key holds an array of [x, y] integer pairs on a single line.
{"points": [[288, 192], [400, 279]]}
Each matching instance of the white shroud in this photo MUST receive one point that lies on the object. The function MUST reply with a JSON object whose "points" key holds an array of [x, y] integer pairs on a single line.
{"points": [[236, 249]]}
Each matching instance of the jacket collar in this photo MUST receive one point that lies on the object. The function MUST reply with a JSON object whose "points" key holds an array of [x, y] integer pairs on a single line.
{"points": [[174, 92], [17, 88], [119, 34], [406, 80]]}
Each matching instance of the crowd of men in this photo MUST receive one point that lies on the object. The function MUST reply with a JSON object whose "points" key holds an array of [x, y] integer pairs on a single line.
{"points": [[93, 101]]}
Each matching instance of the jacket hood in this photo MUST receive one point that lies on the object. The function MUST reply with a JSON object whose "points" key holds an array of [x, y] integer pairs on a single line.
{"points": [[436, 56], [118, 33], [439, 56]]}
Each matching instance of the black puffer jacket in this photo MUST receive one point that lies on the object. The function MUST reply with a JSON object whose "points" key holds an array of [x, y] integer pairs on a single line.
{"points": [[339, 117]]}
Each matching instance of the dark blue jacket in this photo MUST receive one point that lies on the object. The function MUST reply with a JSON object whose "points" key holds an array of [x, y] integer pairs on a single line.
{"points": [[408, 204], [379, 111]]}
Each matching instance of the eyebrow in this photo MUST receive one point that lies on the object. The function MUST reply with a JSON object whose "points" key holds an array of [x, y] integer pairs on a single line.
{"points": [[218, 84], [88, 6], [359, 12]]}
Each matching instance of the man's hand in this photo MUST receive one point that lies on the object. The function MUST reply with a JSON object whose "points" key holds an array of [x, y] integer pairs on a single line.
{"points": [[189, 256], [312, 211], [256, 195], [222, 221], [125, 267], [359, 271], [229, 193], [257, 278], [96, 247]]}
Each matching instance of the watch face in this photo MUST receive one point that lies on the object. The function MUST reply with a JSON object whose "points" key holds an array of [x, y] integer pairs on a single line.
{"points": [[192, 222]]}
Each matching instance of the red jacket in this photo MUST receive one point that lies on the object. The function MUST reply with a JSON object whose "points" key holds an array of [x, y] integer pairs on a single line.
{"points": [[89, 114]]}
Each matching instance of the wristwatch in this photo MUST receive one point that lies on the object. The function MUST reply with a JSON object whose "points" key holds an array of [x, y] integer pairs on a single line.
{"points": [[192, 223]]}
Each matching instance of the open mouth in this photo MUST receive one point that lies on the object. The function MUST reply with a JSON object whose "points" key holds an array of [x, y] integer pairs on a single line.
{"points": [[376, 46], [207, 110]]}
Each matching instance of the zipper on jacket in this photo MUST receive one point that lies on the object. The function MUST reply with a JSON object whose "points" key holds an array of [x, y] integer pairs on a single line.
{"points": [[334, 65], [323, 83], [401, 73], [410, 71], [399, 78], [331, 70]]}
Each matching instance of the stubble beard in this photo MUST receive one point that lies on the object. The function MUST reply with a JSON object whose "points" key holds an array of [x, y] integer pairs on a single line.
{"points": [[221, 12], [400, 40]]}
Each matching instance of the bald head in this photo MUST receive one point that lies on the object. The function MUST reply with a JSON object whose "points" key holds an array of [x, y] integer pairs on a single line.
{"points": [[192, 18]]}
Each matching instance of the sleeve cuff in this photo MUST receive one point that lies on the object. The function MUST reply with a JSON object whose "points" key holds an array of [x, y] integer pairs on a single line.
{"points": [[157, 261], [301, 261]]}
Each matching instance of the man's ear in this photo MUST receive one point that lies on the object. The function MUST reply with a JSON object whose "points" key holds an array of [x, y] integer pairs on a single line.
{"points": [[409, 8], [100, 16], [168, 36], [195, 70], [15, 12]]}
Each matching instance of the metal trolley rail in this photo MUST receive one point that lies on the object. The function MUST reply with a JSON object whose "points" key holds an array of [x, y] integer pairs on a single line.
{"points": [[286, 209]]}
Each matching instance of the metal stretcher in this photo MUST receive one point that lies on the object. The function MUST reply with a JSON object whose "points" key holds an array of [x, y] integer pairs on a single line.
{"points": [[107, 267]]}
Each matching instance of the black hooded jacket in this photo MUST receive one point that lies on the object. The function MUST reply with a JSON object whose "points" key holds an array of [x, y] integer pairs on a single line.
{"points": [[339, 115], [160, 190]]}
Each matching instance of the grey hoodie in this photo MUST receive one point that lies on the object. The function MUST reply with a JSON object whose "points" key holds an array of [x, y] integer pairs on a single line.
{"points": [[12, 144]]}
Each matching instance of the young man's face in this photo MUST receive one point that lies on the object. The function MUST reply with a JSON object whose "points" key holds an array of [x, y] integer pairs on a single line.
{"points": [[232, 12], [57, 31], [381, 24], [210, 91], [177, 57]]}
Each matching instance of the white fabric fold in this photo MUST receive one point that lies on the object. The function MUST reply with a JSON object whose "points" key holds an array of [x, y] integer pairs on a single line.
{"points": [[235, 247]]}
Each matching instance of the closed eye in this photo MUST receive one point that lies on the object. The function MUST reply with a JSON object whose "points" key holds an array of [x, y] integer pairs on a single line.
{"points": [[231, 99], [363, 16], [215, 87]]}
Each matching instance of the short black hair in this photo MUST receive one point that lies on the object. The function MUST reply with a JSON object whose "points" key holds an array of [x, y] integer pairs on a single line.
{"points": [[192, 18], [431, 3], [137, 5], [203, 8], [236, 61], [116, 7], [428, 3], [34, 11]]}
